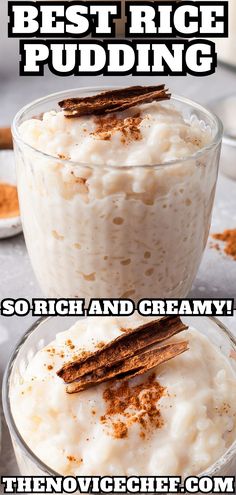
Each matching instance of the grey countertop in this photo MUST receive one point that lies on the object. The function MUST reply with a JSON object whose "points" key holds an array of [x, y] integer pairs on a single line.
{"points": [[217, 274]]}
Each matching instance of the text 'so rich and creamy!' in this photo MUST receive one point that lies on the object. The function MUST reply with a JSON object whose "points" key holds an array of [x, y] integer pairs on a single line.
{"points": [[178, 417], [120, 203]]}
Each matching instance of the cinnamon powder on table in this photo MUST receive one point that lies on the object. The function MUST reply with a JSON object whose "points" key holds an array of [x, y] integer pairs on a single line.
{"points": [[229, 238], [9, 205]]}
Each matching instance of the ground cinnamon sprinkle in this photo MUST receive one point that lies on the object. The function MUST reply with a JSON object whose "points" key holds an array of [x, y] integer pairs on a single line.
{"points": [[120, 429], [100, 345], [72, 458], [83, 354], [136, 404], [70, 344], [229, 237], [9, 205], [129, 128]]}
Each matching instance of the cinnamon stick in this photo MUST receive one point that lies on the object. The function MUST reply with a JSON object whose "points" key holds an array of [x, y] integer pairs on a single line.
{"points": [[131, 367], [113, 100], [132, 342]]}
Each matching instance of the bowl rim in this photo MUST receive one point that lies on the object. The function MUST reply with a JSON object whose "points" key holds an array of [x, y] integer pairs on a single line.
{"points": [[15, 434], [10, 226], [90, 89]]}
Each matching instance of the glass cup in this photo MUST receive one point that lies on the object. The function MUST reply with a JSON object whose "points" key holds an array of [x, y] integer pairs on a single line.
{"points": [[116, 231], [44, 331]]}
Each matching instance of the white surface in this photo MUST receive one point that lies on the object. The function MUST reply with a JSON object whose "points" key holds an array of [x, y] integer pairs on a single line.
{"points": [[217, 274], [8, 226]]}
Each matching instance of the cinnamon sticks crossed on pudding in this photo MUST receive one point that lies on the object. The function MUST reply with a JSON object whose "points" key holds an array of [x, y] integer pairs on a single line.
{"points": [[115, 100], [131, 354]]}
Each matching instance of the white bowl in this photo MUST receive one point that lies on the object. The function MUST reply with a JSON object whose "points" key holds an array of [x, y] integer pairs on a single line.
{"points": [[8, 226]]}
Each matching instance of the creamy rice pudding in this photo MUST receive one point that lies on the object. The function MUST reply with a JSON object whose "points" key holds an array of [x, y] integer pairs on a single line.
{"points": [[178, 418], [119, 205]]}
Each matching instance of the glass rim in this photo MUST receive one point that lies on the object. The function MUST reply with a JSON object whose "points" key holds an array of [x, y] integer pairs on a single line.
{"points": [[15, 434], [208, 147]]}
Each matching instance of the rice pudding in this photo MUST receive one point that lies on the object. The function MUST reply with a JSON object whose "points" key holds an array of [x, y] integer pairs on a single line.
{"points": [[192, 421], [120, 205]]}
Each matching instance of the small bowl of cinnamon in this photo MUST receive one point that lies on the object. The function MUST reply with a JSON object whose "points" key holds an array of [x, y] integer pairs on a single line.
{"points": [[10, 221]]}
